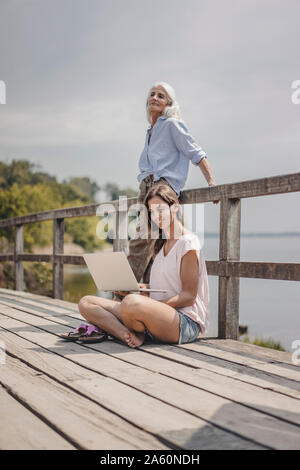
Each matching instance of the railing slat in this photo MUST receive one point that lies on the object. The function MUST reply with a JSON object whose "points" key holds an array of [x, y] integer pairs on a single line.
{"points": [[229, 249], [19, 248], [58, 267], [121, 236], [249, 188], [245, 269]]}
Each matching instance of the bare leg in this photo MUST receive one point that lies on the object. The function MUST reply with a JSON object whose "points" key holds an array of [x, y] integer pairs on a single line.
{"points": [[106, 314], [140, 312]]}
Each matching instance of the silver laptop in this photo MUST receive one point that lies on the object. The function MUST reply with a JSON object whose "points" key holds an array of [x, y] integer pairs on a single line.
{"points": [[111, 271]]}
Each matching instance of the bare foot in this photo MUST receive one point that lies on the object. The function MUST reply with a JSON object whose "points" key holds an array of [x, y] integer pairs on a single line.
{"points": [[133, 340]]}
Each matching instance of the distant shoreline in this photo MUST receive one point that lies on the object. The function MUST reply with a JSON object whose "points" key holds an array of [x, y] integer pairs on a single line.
{"points": [[258, 234]]}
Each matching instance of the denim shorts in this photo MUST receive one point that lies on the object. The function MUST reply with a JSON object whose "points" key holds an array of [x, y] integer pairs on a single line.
{"points": [[189, 330]]}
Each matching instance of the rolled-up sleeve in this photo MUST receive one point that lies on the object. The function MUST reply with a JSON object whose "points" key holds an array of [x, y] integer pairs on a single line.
{"points": [[185, 142]]}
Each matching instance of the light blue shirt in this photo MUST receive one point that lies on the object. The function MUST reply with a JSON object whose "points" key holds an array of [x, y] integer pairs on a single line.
{"points": [[169, 152]]}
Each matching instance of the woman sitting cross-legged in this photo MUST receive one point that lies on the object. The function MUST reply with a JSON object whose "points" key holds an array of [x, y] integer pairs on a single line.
{"points": [[181, 313]]}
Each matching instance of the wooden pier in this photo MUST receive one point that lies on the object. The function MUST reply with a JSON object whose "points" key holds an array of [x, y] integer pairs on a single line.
{"points": [[210, 394], [214, 393]]}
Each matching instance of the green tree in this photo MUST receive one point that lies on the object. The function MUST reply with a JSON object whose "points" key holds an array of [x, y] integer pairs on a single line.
{"points": [[113, 191], [85, 187], [24, 190], [27, 199], [21, 172]]}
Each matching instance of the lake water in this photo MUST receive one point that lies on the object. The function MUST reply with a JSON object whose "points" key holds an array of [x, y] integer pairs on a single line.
{"points": [[270, 309]]}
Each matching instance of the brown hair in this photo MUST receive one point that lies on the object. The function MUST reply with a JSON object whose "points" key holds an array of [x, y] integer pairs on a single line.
{"points": [[166, 193]]}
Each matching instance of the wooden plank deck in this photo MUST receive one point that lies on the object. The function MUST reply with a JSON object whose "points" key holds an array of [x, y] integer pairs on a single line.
{"points": [[210, 394]]}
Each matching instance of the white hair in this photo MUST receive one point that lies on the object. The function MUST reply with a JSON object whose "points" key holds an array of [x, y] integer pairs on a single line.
{"points": [[172, 109]]}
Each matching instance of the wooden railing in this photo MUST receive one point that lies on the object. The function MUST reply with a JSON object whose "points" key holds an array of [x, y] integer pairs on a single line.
{"points": [[228, 267]]}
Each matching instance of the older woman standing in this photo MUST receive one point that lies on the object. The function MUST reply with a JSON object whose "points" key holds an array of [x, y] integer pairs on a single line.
{"points": [[169, 147]]}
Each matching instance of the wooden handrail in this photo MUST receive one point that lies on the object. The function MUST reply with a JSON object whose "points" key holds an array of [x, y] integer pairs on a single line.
{"points": [[228, 268], [243, 189]]}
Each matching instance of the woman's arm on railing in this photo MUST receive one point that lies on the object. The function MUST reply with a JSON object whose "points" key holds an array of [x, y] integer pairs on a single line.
{"points": [[206, 170]]}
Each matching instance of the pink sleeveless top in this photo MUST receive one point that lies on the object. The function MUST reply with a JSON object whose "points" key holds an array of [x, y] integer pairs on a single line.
{"points": [[165, 274]]}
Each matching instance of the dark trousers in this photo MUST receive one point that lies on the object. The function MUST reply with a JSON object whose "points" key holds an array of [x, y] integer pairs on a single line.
{"points": [[140, 256]]}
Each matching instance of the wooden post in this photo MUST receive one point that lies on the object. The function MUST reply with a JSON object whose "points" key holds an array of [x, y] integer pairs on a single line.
{"points": [[58, 266], [19, 248], [121, 227], [229, 250]]}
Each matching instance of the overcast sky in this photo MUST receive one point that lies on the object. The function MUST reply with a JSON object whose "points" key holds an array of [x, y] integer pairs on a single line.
{"points": [[77, 74]]}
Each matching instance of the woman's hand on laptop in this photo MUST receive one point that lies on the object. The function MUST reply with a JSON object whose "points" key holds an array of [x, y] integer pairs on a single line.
{"points": [[144, 286], [122, 293]]}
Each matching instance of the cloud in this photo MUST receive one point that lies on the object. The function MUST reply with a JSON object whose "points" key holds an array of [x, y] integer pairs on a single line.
{"points": [[78, 73], [71, 123]]}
